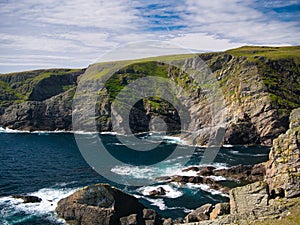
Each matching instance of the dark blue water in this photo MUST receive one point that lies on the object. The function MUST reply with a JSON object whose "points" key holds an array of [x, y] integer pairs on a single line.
{"points": [[51, 166]]}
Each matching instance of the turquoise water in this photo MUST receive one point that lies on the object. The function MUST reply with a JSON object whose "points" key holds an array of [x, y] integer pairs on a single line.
{"points": [[50, 166]]}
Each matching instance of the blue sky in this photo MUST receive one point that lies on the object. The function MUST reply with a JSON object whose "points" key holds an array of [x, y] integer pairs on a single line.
{"points": [[51, 33]]}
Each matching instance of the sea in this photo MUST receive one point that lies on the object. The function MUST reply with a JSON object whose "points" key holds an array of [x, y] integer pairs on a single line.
{"points": [[50, 165]]}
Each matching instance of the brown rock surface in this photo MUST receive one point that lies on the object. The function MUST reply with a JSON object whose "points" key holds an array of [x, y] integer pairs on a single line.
{"points": [[100, 204], [199, 214], [283, 167], [219, 210]]}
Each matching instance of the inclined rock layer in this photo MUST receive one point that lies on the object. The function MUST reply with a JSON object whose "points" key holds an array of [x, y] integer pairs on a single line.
{"points": [[227, 97]]}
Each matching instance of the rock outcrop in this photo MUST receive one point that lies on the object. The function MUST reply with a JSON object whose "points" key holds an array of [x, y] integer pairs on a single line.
{"points": [[28, 198], [248, 204], [274, 198], [283, 167], [235, 175], [102, 204], [219, 209], [199, 214], [243, 172]]}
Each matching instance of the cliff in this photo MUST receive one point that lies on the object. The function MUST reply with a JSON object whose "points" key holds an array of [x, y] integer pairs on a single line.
{"points": [[283, 167], [259, 86], [38, 100]]}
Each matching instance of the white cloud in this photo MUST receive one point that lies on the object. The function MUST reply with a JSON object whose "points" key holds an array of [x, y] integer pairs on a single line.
{"points": [[83, 30], [204, 42], [103, 14], [239, 21]]}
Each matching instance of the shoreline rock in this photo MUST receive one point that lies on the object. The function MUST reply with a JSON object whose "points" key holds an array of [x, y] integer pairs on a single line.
{"points": [[272, 199], [101, 204], [28, 198]]}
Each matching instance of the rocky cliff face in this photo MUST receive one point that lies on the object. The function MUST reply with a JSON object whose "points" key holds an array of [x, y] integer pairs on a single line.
{"points": [[241, 94], [39, 100], [283, 167], [51, 114]]}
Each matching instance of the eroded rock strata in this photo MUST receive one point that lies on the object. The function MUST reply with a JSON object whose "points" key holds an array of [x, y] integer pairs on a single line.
{"points": [[243, 94]]}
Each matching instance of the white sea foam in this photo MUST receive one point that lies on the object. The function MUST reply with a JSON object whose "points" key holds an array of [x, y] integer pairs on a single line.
{"points": [[187, 173], [217, 178], [206, 188], [171, 191], [8, 130], [246, 154], [134, 171], [170, 168], [173, 140], [159, 202], [45, 208], [227, 146]]}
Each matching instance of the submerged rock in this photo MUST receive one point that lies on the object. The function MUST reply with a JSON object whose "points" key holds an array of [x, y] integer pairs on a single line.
{"points": [[28, 198], [158, 192]]}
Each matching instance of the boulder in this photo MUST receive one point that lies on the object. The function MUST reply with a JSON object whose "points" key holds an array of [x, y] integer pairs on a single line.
{"points": [[158, 192], [28, 198], [100, 204], [199, 214], [219, 210], [150, 214], [251, 203], [168, 221], [129, 220]]}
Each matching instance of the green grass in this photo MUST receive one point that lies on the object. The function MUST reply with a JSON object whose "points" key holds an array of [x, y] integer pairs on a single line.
{"points": [[255, 52], [22, 84], [133, 72]]}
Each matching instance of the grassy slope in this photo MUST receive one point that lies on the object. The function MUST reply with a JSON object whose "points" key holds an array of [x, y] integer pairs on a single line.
{"points": [[18, 86], [254, 52]]}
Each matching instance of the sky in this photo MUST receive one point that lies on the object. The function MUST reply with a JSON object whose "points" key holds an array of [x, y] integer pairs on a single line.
{"points": [[73, 34]]}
